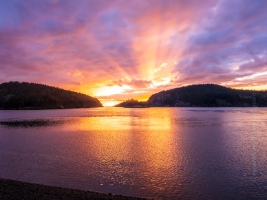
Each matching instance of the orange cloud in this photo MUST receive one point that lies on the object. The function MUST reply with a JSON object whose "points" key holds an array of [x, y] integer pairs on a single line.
{"points": [[120, 49]]}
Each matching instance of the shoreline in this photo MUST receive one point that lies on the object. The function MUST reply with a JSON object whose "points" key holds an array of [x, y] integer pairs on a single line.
{"points": [[26, 109], [11, 189], [32, 108]]}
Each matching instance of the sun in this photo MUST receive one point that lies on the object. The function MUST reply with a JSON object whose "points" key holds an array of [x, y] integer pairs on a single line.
{"points": [[109, 102]]}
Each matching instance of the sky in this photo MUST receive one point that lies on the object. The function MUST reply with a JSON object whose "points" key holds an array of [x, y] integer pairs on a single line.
{"points": [[119, 49]]}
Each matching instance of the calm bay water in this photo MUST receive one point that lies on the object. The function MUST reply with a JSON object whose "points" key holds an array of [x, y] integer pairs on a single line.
{"points": [[160, 153]]}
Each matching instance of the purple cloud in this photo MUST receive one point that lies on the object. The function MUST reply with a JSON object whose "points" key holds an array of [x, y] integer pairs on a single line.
{"points": [[86, 45]]}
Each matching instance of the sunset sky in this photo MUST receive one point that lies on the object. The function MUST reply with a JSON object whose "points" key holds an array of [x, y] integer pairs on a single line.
{"points": [[121, 49]]}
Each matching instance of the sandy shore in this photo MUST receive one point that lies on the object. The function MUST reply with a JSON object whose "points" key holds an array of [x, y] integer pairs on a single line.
{"points": [[11, 190]]}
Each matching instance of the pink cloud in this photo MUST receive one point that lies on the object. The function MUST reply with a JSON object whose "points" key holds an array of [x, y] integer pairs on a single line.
{"points": [[123, 42]]}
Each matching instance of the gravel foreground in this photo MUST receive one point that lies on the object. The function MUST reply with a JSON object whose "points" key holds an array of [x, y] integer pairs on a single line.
{"points": [[17, 190]]}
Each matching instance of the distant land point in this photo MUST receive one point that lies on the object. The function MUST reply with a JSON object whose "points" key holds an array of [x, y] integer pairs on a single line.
{"points": [[23, 95]]}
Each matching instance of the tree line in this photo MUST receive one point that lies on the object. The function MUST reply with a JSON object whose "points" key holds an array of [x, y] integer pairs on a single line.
{"points": [[209, 95], [23, 95]]}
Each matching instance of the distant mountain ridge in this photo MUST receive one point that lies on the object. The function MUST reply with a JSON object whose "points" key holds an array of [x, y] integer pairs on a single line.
{"points": [[208, 95], [23, 95]]}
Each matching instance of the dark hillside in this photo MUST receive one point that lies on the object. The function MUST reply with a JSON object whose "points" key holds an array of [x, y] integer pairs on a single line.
{"points": [[208, 95], [16, 95], [132, 103]]}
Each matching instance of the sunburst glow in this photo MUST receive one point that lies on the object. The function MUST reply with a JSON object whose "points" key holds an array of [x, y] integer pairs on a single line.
{"points": [[116, 50]]}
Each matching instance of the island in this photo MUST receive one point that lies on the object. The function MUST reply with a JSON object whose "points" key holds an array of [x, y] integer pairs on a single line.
{"points": [[208, 95], [132, 103], [23, 95]]}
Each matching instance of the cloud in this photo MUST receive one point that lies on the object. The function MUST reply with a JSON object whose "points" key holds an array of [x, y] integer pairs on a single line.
{"points": [[86, 45], [134, 83], [225, 39]]}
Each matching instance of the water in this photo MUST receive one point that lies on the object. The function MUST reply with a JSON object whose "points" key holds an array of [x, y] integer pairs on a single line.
{"points": [[160, 153]]}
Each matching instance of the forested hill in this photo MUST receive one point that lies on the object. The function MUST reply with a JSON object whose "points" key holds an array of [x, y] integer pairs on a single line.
{"points": [[17, 95], [132, 103], [208, 95]]}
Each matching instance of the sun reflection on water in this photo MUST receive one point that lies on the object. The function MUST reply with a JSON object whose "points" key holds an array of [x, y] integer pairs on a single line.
{"points": [[131, 147]]}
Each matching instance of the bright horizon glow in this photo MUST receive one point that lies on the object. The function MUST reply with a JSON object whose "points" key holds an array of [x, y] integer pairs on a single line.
{"points": [[109, 103], [115, 50], [110, 90]]}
